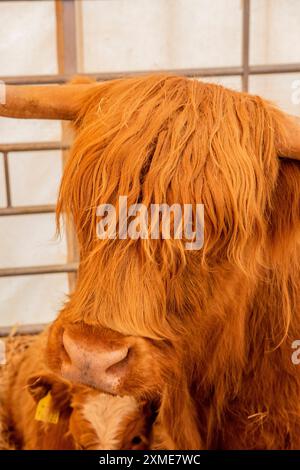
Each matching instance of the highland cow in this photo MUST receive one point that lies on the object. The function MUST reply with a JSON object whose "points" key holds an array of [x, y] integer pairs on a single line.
{"points": [[205, 335]]}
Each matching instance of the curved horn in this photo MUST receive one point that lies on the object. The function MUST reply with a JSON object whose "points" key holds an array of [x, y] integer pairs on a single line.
{"points": [[291, 146], [43, 101]]}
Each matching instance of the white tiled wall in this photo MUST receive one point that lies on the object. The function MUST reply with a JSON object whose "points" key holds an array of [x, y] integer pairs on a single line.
{"points": [[40, 186], [278, 88], [30, 240], [275, 31], [27, 38], [158, 34], [31, 299], [28, 130], [233, 82]]}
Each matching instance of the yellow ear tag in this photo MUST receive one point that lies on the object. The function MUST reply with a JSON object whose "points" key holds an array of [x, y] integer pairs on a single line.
{"points": [[45, 410]]}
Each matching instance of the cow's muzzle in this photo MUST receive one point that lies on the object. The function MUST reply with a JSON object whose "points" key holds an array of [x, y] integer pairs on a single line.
{"points": [[108, 360], [89, 355], [100, 367]]}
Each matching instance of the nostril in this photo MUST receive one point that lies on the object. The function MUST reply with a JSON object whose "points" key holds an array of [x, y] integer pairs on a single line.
{"points": [[115, 358], [119, 366], [72, 352], [65, 356]]}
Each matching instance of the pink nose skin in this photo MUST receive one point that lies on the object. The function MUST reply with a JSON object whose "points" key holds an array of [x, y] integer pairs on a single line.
{"points": [[99, 367]]}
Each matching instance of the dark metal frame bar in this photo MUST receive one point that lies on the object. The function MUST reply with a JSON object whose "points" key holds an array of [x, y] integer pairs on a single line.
{"points": [[196, 72], [36, 146], [245, 44], [22, 330], [27, 210], [7, 180], [33, 270]]}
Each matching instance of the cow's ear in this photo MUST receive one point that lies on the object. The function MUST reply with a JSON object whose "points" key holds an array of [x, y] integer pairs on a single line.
{"points": [[284, 217], [61, 391]]}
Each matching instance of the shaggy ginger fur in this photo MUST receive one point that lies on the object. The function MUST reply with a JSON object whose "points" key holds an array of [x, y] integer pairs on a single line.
{"points": [[15, 346], [210, 331]]}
